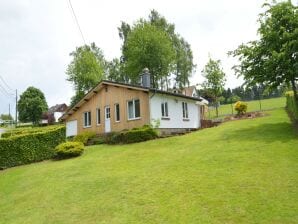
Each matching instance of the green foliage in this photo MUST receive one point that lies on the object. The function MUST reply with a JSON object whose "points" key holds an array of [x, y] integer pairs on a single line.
{"points": [[148, 47], [240, 107], [135, 135], [86, 69], [31, 105], [28, 130], [272, 60], [69, 149], [169, 53], [215, 80], [30, 147], [84, 137], [292, 105], [6, 117]]}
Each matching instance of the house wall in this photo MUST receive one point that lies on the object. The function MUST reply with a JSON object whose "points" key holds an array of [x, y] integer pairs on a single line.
{"points": [[57, 115], [109, 96], [175, 111]]}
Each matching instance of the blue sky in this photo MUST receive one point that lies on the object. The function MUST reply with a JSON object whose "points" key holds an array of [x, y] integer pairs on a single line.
{"points": [[36, 37]]}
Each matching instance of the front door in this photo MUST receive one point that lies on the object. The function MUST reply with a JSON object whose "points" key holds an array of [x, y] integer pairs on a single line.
{"points": [[107, 119]]}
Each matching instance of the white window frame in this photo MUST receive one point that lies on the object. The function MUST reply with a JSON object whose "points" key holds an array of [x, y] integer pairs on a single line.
{"points": [[165, 109], [88, 118], [185, 110], [134, 109], [117, 104], [98, 120]]}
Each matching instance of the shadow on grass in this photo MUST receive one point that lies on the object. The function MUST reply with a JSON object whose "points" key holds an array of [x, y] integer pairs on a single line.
{"points": [[271, 132]]}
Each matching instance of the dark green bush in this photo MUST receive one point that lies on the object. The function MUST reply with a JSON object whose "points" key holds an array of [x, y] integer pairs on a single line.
{"points": [[69, 149], [28, 148], [131, 136], [292, 105], [84, 137]]}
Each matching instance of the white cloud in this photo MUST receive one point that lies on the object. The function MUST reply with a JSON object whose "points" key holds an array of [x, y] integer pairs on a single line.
{"points": [[37, 36]]}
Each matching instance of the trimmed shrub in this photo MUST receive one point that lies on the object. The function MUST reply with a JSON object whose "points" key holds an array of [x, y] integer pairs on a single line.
{"points": [[30, 130], [292, 106], [240, 107], [135, 135], [69, 149], [84, 137], [28, 148]]}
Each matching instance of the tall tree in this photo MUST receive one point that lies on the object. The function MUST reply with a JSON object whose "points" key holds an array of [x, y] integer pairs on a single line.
{"points": [[86, 69], [31, 105], [215, 80], [273, 59], [182, 65], [148, 46]]}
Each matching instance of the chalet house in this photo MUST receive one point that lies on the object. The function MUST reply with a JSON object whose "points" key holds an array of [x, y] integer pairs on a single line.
{"points": [[112, 107]]}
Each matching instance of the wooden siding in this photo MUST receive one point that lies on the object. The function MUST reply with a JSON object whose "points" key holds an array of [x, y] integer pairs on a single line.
{"points": [[110, 95]]}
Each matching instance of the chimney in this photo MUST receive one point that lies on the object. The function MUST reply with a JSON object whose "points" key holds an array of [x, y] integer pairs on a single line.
{"points": [[145, 78]]}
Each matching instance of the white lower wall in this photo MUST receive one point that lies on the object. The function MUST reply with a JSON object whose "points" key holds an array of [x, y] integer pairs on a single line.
{"points": [[57, 115], [175, 111]]}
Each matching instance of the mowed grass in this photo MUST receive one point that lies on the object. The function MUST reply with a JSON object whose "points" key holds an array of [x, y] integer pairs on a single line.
{"points": [[239, 172], [254, 105]]}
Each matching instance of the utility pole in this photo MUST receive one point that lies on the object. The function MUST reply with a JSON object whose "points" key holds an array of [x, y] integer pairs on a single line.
{"points": [[9, 110], [16, 107]]}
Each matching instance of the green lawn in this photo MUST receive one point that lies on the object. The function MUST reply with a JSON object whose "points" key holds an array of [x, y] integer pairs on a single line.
{"points": [[254, 105], [239, 172]]}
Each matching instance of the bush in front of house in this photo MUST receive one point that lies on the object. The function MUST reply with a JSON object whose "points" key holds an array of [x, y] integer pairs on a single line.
{"points": [[135, 135], [28, 130], [240, 107], [84, 137], [30, 147], [69, 149]]}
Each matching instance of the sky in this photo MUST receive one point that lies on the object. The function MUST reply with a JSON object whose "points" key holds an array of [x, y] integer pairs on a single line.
{"points": [[37, 36]]}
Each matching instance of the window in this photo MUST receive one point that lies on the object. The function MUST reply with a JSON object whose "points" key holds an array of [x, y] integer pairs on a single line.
{"points": [[184, 110], [87, 119], [164, 109], [117, 112], [108, 113], [133, 109], [97, 116]]}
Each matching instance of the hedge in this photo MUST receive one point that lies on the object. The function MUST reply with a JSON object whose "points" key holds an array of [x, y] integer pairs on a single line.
{"points": [[292, 105], [27, 130], [135, 135], [30, 147]]}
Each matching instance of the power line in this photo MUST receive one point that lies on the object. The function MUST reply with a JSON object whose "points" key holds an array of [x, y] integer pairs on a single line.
{"points": [[6, 83], [5, 92], [73, 12]]}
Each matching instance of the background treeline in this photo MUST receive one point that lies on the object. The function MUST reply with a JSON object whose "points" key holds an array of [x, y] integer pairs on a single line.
{"points": [[255, 92]]}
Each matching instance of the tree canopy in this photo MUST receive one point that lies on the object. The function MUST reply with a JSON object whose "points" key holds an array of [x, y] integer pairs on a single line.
{"points": [[86, 69], [215, 80], [273, 59], [31, 105], [176, 55]]}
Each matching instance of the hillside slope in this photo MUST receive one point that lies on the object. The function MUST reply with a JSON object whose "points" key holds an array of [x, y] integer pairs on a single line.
{"points": [[239, 172]]}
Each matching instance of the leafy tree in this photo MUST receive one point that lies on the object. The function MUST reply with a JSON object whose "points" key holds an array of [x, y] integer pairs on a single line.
{"points": [[148, 47], [6, 117], [182, 65], [31, 105], [215, 80], [273, 59], [86, 69], [115, 71]]}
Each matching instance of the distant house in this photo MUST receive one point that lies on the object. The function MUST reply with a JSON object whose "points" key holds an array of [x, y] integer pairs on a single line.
{"points": [[53, 114], [112, 107]]}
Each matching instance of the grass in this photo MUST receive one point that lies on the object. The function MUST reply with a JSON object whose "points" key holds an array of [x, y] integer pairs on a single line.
{"points": [[239, 172], [254, 105]]}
